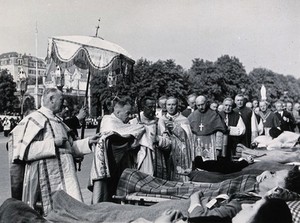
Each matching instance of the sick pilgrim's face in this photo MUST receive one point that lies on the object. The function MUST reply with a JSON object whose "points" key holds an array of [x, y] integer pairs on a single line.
{"points": [[268, 180], [248, 212]]}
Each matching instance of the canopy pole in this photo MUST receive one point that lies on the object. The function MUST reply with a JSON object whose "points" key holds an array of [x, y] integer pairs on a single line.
{"points": [[83, 125]]}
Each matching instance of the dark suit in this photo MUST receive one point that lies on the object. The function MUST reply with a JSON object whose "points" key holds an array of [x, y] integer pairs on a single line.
{"points": [[233, 119], [186, 112], [287, 121]]}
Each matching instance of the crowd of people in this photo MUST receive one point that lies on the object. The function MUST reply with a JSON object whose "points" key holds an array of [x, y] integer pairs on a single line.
{"points": [[7, 124], [162, 141]]}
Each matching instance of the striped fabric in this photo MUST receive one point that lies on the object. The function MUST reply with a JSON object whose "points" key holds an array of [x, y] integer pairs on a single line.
{"points": [[295, 210], [134, 181], [48, 168]]}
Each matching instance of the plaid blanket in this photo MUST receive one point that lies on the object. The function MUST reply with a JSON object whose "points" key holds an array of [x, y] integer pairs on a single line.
{"points": [[295, 210], [134, 181]]}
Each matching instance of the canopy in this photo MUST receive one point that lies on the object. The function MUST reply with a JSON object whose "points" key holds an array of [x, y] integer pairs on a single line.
{"points": [[98, 52], [100, 58]]}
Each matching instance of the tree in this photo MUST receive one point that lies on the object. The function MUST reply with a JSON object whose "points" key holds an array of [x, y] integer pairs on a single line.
{"points": [[160, 78], [220, 79], [7, 89], [276, 85]]}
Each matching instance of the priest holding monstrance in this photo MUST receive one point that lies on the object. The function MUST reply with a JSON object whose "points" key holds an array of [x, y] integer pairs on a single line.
{"points": [[208, 128]]}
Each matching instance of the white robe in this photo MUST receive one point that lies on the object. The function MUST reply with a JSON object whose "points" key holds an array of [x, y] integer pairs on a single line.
{"points": [[48, 168]]}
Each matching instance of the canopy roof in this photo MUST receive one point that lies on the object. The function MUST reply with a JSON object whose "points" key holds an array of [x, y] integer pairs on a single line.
{"points": [[98, 52]]}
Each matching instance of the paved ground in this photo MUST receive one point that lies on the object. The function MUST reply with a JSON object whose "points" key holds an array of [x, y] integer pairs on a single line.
{"points": [[83, 175]]}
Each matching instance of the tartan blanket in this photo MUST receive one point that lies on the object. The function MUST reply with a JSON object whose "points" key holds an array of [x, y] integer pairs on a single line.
{"points": [[295, 210], [141, 184]]}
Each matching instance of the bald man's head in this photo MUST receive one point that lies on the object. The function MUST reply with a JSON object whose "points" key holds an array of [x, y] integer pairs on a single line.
{"points": [[201, 103]]}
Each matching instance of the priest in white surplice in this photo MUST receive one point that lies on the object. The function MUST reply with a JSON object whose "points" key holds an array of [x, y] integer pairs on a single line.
{"points": [[43, 142]]}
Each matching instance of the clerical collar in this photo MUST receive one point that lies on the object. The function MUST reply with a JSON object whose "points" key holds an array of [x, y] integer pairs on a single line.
{"points": [[168, 116]]}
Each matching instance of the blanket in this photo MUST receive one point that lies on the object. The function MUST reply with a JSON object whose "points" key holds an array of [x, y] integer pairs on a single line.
{"points": [[134, 181], [255, 168], [69, 210]]}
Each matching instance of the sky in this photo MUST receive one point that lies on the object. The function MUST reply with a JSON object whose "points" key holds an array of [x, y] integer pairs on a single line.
{"points": [[261, 33]]}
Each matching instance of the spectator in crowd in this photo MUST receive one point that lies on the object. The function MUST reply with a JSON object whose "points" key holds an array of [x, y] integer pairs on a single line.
{"points": [[287, 122], [235, 125], [220, 108], [249, 105], [249, 120], [254, 104], [191, 99], [6, 126], [28, 105], [73, 121], [161, 110], [289, 107], [213, 106]]}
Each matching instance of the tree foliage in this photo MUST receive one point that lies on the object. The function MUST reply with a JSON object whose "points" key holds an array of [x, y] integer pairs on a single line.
{"points": [[160, 78], [217, 80], [8, 100]]}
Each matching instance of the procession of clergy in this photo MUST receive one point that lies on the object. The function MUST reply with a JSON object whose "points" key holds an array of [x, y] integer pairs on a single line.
{"points": [[162, 142]]}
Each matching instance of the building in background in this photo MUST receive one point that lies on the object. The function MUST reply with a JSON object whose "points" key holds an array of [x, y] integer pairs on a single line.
{"points": [[73, 79], [14, 62]]}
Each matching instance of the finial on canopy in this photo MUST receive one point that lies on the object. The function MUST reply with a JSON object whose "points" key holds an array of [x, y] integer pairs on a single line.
{"points": [[97, 27]]}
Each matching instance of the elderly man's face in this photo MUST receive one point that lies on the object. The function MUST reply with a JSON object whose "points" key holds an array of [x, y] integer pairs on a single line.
{"points": [[297, 107], [124, 113], [192, 102], [149, 109], [171, 106], [227, 106], [201, 104], [239, 101], [57, 102]]}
